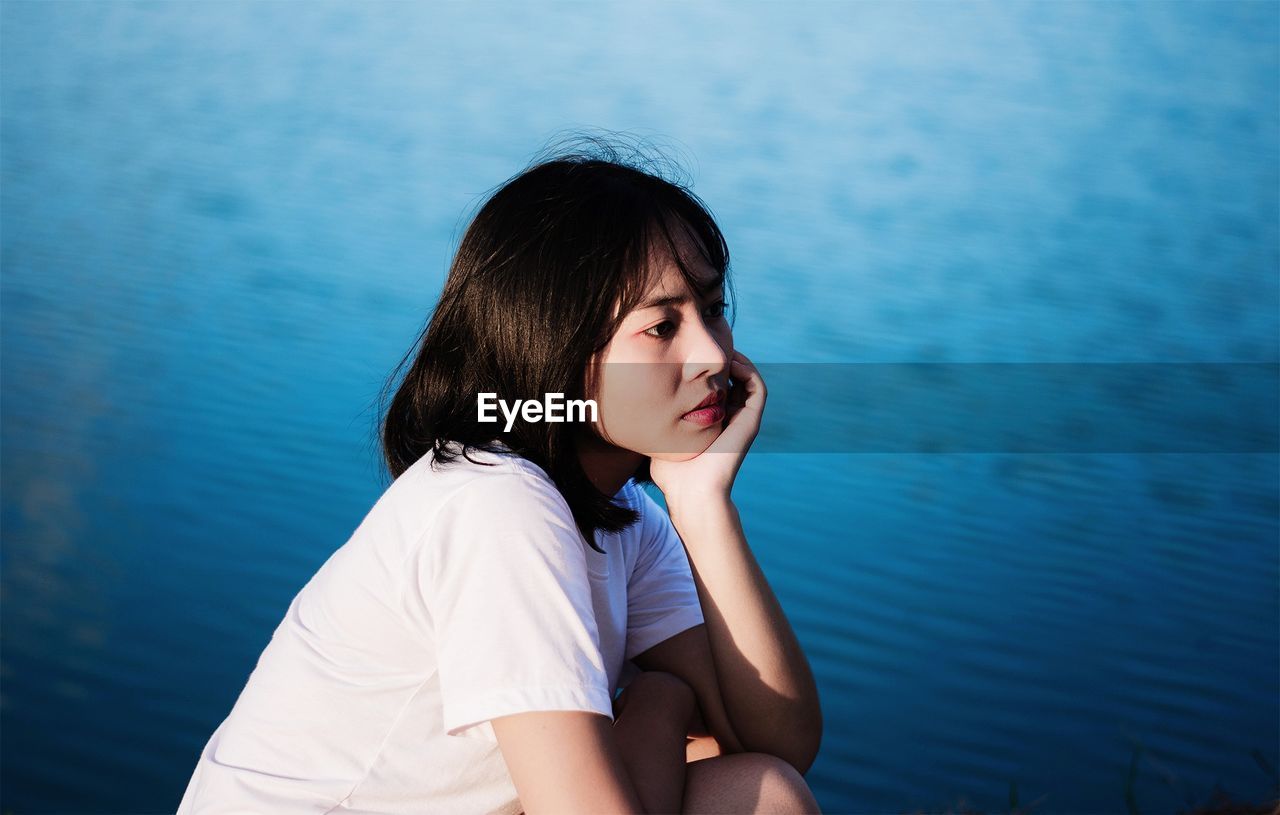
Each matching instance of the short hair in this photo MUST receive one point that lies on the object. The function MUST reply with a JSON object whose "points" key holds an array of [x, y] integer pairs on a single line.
{"points": [[529, 300]]}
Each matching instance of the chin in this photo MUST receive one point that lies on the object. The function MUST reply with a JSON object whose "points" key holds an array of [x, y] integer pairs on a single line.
{"points": [[674, 457], [683, 448]]}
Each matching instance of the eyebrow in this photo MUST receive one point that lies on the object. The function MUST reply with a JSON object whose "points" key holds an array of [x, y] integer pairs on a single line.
{"points": [[677, 299], [673, 300]]}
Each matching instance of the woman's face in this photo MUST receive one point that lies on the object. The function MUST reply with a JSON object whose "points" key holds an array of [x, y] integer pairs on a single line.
{"points": [[669, 354]]}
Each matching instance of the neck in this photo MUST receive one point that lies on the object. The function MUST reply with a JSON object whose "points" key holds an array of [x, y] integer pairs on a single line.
{"points": [[607, 466]]}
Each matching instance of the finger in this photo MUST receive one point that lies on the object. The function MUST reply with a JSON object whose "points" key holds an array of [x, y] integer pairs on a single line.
{"points": [[745, 368]]}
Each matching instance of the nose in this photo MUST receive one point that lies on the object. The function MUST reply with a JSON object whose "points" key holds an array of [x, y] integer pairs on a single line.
{"points": [[707, 353]]}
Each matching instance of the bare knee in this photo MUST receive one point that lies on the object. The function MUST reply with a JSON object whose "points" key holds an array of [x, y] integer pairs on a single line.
{"points": [[746, 782], [784, 788]]}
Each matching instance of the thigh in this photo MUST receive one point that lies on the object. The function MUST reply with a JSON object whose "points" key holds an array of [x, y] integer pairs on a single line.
{"points": [[746, 782]]}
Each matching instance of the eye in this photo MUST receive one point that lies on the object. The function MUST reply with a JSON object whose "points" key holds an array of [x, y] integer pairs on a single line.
{"points": [[660, 335], [664, 329]]}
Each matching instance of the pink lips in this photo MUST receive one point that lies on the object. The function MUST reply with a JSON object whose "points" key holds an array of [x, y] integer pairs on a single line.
{"points": [[708, 412]]}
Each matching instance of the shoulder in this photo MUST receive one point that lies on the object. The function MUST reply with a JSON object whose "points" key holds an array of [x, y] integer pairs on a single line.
{"points": [[460, 501], [476, 476], [490, 498], [506, 495], [505, 526]]}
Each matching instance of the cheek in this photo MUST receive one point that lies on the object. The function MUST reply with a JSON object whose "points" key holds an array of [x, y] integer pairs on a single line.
{"points": [[630, 391], [636, 400]]}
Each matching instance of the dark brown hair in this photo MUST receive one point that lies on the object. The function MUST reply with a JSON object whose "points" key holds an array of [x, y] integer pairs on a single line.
{"points": [[529, 300]]}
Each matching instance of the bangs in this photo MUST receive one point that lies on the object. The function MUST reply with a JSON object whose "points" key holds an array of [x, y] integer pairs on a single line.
{"points": [[641, 265]]}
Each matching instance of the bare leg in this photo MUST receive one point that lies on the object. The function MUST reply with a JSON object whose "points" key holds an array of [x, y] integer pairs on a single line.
{"points": [[650, 727], [717, 784], [742, 783], [746, 783]]}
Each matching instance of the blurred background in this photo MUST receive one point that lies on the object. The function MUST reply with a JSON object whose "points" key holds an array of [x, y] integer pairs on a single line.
{"points": [[224, 223]]}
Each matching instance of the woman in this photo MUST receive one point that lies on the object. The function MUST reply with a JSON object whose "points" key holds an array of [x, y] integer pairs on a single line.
{"points": [[463, 650]]}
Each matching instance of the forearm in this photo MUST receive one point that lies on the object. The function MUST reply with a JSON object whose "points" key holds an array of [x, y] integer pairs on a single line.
{"points": [[768, 688]]}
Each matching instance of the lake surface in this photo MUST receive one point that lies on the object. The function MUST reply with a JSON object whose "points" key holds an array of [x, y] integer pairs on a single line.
{"points": [[224, 223]]}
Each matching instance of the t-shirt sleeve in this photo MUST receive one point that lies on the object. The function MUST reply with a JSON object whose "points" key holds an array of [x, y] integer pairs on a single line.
{"points": [[507, 588], [662, 600]]}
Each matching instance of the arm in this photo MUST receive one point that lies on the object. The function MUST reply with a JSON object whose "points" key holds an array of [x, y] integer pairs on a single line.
{"points": [[565, 761], [764, 679]]}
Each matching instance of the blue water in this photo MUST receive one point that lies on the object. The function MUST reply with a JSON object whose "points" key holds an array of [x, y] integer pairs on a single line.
{"points": [[223, 224]]}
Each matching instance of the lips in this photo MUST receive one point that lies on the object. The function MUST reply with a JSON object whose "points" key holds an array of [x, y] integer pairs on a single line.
{"points": [[713, 398]]}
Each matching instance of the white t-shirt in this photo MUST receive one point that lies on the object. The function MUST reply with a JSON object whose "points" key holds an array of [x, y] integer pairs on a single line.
{"points": [[465, 594]]}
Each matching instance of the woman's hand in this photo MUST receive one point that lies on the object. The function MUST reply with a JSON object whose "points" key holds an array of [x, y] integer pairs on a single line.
{"points": [[712, 475]]}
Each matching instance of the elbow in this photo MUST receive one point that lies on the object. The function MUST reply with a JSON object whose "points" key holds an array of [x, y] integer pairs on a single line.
{"points": [[811, 739], [798, 747], [805, 752], [808, 753], [808, 739]]}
